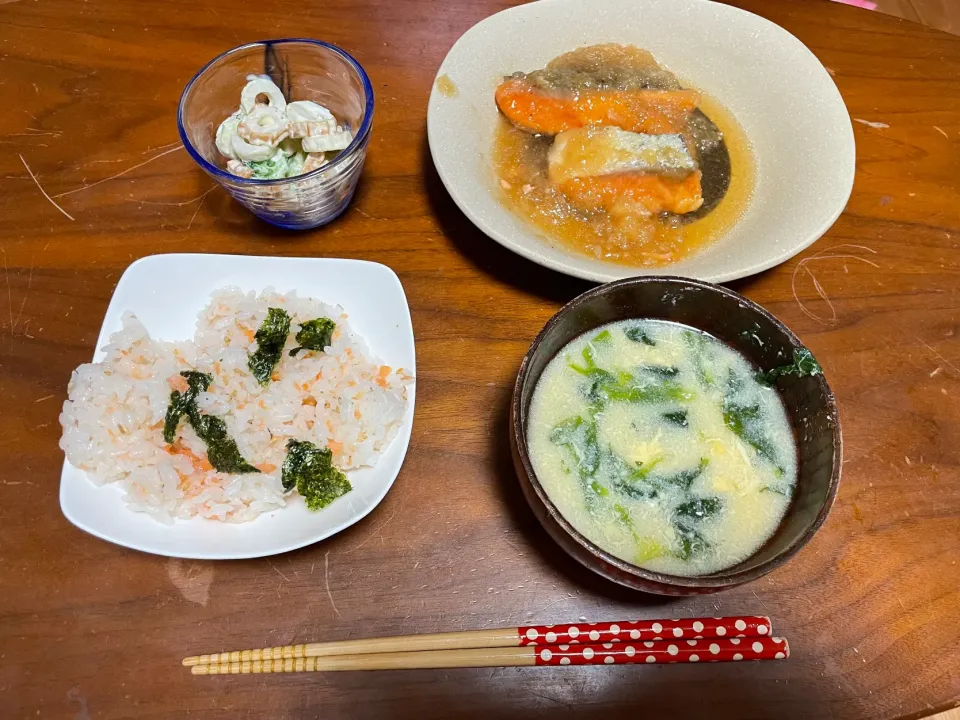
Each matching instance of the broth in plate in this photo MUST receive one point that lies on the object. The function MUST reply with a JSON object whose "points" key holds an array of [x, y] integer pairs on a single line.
{"points": [[605, 152]]}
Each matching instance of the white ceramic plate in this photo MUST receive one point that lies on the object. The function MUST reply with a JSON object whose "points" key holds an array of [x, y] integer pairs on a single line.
{"points": [[166, 292], [783, 97]]}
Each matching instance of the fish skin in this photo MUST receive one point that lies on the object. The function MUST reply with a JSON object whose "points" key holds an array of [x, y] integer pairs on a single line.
{"points": [[539, 111], [594, 151]]}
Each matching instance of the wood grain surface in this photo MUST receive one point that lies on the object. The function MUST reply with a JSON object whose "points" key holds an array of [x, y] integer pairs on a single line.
{"points": [[89, 630]]}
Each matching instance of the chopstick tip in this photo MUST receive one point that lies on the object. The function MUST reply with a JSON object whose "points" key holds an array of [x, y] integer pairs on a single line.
{"points": [[200, 670], [190, 661]]}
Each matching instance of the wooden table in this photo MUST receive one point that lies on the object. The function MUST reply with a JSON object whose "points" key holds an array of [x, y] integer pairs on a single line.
{"points": [[89, 630]]}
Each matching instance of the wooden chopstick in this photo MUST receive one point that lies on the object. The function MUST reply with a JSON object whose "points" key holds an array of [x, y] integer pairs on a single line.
{"points": [[664, 651], [533, 635]]}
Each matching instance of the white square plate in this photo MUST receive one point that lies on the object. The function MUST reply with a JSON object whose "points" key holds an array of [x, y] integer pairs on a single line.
{"points": [[786, 102], [166, 292]]}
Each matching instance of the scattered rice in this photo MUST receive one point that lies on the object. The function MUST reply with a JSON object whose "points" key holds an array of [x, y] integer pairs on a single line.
{"points": [[113, 420]]}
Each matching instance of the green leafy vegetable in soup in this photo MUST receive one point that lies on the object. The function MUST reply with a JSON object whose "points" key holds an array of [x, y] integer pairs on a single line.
{"points": [[658, 443], [311, 471], [804, 364], [677, 417], [314, 335], [271, 336], [637, 333]]}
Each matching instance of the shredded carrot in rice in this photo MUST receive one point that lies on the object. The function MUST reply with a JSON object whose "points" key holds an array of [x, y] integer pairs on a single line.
{"points": [[200, 464], [335, 447]]}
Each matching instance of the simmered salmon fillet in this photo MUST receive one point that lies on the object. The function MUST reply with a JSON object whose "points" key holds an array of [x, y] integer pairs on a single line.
{"points": [[549, 112], [642, 193]]}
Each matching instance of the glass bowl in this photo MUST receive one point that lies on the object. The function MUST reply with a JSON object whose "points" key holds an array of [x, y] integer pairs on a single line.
{"points": [[304, 70]]}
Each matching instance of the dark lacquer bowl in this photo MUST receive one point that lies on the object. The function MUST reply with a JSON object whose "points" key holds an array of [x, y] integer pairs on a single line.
{"points": [[763, 340]]}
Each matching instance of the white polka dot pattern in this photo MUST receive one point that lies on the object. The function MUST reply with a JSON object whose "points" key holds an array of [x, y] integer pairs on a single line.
{"points": [[747, 626], [719, 649]]}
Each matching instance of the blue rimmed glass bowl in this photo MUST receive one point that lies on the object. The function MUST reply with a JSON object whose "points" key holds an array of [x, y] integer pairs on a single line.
{"points": [[305, 70]]}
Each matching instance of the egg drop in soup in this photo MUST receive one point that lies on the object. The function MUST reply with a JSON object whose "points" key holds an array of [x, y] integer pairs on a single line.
{"points": [[661, 445], [607, 154]]}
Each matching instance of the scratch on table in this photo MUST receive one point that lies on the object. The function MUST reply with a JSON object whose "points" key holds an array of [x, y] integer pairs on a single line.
{"points": [[551, 699], [197, 211], [34, 133], [40, 187], [26, 293], [326, 580], [947, 362], [117, 175], [876, 125], [45, 397], [761, 602], [826, 254], [6, 274], [378, 530], [180, 204], [367, 215], [940, 130], [277, 571]]}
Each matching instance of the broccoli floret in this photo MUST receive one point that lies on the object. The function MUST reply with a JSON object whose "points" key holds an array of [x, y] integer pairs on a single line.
{"points": [[312, 472], [273, 168]]}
